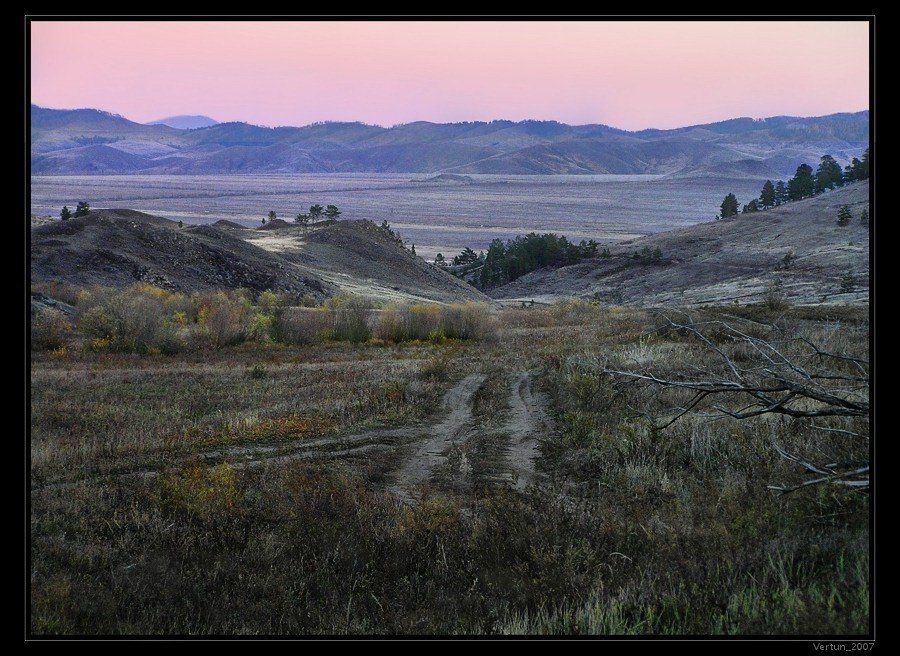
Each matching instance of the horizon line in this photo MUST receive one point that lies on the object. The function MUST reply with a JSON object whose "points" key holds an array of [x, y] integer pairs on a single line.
{"points": [[494, 120]]}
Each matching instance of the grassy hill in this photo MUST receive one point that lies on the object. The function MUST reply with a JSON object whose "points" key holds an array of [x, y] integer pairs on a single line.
{"points": [[118, 247], [737, 259]]}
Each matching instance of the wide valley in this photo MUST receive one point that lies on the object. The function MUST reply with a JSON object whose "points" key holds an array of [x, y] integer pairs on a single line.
{"points": [[437, 214]]}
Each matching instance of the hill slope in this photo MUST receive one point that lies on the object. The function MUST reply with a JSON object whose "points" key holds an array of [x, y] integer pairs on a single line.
{"points": [[770, 147], [735, 259], [119, 247], [361, 258]]}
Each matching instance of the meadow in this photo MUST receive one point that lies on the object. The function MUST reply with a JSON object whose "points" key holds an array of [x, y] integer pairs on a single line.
{"points": [[435, 216], [261, 484]]}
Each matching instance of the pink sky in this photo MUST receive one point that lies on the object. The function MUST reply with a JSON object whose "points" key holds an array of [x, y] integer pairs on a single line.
{"points": [[626, 74]]}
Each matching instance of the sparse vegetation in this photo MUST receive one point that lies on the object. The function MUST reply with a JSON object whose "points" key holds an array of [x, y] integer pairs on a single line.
{"points": [[805, 183], [322, 547], [844, 216]]}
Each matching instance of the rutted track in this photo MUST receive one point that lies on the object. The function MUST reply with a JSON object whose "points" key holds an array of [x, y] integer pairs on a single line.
{"points": [[455, 427], [526, 422], [424, 448]]}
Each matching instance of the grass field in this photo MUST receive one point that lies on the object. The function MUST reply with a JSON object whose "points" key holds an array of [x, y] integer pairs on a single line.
{"points": [[435, 217], [253, 489]]}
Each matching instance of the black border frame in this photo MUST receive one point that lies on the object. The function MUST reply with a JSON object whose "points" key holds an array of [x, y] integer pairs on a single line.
{"points": [[811, 642]]}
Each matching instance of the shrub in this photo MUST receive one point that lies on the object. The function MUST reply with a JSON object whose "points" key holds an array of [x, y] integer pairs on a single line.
{"points": [[435, 323], [260, 327], [774, 297], [468, 321], [257, 372], [130, 320], [221, 317], [50, 330], [347, 318], [575, 310], [408, 322], [301, 325]]}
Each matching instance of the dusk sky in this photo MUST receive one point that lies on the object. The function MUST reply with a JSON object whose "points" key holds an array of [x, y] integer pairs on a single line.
{"points": [[630, 75]]}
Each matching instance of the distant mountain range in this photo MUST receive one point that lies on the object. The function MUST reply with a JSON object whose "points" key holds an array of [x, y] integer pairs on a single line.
{"points": [[90, 141], [186, 121]]}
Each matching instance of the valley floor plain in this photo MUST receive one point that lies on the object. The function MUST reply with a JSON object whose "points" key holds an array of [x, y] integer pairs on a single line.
{"points": [[436, 215]]}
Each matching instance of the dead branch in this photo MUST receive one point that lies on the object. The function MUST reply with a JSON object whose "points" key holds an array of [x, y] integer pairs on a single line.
{"points": [[776, 374]]}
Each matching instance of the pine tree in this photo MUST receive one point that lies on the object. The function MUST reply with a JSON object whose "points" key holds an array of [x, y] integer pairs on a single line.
{"points": [[828, 175], [767, 195], [272, 215], [180, 223], [315, 211], [844, 215], [65, 214], [851, 171], [750, 207], [332, 212], [302, 219], [82, 208], [781, 193], [467, 256], [802, 185], [729, 206]]}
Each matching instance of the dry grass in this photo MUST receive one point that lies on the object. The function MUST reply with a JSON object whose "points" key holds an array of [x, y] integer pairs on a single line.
{"points": [[639, 531]]}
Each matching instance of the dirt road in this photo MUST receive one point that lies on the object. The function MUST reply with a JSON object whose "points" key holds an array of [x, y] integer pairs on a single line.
{"points": [[418, 451]]}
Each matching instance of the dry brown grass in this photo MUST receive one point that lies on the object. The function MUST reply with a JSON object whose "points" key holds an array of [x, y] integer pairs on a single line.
{"points": [[639, 531]]}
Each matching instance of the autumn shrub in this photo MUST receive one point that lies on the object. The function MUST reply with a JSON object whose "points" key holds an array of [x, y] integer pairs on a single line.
{"points": [[221, 318], [301, 325], [130, 320], [50, 330], [347, 319], [468, 321]]}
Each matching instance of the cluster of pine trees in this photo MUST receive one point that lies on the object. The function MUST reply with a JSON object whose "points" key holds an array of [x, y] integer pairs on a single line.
{"points": [[804, 184], [505, 262], [80, 210], [316, 212]]}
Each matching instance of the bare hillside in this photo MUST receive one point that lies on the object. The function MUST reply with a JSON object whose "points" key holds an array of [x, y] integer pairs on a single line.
{"points": [[360, 257], [118, 247], [800, 245]]}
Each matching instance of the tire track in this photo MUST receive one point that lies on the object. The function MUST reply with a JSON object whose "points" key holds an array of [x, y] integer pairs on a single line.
{"points": [[526, 423], [454, 429]]}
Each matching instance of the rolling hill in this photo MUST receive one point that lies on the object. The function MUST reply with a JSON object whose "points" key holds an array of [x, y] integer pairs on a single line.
{"points": [[186, 122], [733, 260], [770, 147], [118, 247]]}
